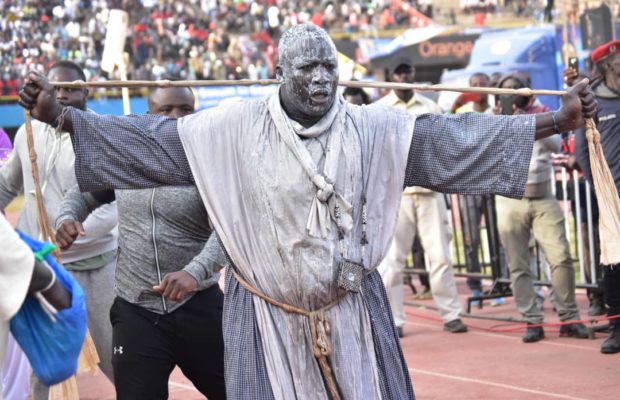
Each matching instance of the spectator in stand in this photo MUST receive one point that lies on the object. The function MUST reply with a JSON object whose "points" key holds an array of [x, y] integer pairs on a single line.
{"points": [[549, 11], [540, 213], [386, 19]]}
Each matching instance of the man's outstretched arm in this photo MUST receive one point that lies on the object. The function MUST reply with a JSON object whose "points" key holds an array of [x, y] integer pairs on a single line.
{"points": [[471, 153], [132, 152], [475, 153]]}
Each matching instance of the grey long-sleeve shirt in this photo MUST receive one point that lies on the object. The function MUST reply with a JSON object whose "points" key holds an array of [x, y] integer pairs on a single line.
{"points": [[161, 231]]}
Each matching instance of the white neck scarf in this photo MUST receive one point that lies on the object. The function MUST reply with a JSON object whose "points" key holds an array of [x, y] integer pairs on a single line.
{"points": [[327, 203]]}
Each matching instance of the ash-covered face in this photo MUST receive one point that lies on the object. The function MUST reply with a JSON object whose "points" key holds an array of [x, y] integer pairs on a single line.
{"points": [[308, 69]]}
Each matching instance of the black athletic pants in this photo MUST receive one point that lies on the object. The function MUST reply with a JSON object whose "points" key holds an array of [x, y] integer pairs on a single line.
{"points": [[147, 346]]}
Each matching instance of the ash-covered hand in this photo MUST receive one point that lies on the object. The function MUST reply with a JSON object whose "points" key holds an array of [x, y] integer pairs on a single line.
{"points": [[578, 104], [39, 96], [176, 285]]}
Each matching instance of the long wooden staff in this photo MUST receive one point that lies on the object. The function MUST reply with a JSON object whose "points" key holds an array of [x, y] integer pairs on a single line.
{"points": [[89, 358], [267, 82]]}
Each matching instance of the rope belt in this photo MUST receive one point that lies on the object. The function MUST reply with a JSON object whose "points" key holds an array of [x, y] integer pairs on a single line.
{"points": [[319, 327]]}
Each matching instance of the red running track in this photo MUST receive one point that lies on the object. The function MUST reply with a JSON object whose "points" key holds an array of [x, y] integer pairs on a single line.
{"points": [[477, 365]]}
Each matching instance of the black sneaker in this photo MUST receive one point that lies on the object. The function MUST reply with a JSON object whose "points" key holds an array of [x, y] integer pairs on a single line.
{"points": [[456, 326], [577, 330], [596, 308], [611, 345], [533, 334]]}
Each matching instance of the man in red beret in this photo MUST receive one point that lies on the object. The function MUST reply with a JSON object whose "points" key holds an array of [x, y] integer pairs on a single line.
{"points": [[606, 59], [602, 52]]}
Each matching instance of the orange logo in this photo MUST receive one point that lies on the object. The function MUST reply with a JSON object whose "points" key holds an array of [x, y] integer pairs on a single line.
{"points": [[459, 49]]}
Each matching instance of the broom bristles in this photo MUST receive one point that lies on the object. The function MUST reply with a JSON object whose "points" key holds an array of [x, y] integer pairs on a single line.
{"points": [[607, 196], [66, 390], [89, 359]]}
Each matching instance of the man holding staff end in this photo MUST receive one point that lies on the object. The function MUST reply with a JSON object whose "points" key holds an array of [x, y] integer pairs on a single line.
{"points": [[303, 190]]}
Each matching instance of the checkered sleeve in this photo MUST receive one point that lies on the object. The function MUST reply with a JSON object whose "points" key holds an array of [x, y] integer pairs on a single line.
{"points": [[130, 152], [471, 153]]}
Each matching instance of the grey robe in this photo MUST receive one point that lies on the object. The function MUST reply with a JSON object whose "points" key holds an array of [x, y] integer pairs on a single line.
{"points": [[265, 233]]}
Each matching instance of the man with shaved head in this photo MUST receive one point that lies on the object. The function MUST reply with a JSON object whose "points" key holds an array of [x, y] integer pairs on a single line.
{"points": [[168, 308], [303, 190], [173, 102]]}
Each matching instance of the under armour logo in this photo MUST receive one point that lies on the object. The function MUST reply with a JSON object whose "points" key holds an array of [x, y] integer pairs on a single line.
{"points": [[118, 350]]}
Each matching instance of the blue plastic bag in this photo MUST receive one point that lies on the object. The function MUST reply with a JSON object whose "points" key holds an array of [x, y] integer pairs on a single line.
{"points": [[52, 348]]}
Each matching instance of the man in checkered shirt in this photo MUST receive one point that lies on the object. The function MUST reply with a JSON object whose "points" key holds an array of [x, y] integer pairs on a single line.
{"points": [[303, 189]]}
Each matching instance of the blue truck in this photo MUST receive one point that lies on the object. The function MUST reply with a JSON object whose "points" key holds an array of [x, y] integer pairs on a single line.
{"points": [[535, 50]]}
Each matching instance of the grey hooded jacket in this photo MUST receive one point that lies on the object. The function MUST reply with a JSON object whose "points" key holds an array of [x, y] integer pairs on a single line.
{"points": [[161, 230]]}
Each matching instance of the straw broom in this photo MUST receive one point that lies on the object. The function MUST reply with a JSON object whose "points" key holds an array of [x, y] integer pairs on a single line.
{"points": [[605, 189], [45, 228], [607, 196], [89, 358]]}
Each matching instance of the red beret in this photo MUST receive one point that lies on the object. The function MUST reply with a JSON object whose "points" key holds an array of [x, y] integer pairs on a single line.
{"points": [[605, 50]]}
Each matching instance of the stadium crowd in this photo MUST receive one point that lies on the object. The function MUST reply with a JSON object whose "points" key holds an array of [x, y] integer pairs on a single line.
{"points": [[193, 39]]}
